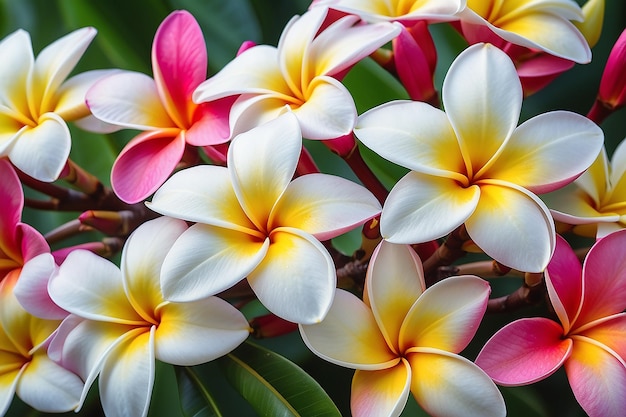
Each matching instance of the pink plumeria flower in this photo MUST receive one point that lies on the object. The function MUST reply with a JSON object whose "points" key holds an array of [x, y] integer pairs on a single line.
{"points": [[25, 368], [473, 165], [253, 221], [162, 107], [300, 75], [543, 25], [120, 323], [36, 101], [612, 90], [590, 341], [404, 339], [405, 11]]}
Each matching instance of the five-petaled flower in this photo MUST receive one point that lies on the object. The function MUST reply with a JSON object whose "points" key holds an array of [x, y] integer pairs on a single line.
{"points": [[590, 341], [120, 323], [162, 107], [253, 221], [473, 165], [403, 338], [405, 11]]}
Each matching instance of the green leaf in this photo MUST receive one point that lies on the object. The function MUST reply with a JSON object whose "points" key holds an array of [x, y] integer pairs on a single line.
{"points": [[273, 385], [196, 398]]}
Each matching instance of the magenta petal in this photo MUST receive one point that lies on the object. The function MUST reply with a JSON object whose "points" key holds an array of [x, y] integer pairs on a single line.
{"points": [[524, 352], [145, 163], [10, 210], [179, 62], [413, 62], [210, 125]]}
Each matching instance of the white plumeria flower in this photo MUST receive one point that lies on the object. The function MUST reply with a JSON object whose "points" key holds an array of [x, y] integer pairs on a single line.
{"points": [[253, 221], [405, 339], [300, 75], [120, 323], [398, 10], [473, 165], [36, 101]]}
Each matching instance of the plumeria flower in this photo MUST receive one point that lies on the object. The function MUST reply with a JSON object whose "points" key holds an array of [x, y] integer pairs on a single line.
{"points": [[403, 338], [595, 204], [162, 107], [300, 75], [25, 368], [120, 323], [543, 25], [397, 10], [590, 341], [473, 165], [253, 221], [36, 101]]}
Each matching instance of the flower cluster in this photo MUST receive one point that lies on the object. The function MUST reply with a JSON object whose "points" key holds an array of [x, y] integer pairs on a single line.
{"points": [[223, 223]]}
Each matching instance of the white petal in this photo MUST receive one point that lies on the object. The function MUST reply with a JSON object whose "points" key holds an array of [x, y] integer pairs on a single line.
{"points": [[252, 110], [71, 95], [18, 59], [31, 288]]}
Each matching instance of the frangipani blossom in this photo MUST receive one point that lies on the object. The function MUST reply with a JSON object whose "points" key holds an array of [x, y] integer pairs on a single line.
{"points": [[120, 323], [543, 25], [473, 165], [596, 202], [25, 368], [397, 10], [300, 75], [162, 107], [403, 339], [253, 221], [590, 341], [36, 101]]}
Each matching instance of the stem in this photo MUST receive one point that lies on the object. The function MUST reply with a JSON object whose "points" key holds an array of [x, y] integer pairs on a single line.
{"points": [[81, 179], [364, 173], [486, 269], [599, 111], [448, 252], [67, 230], [524, 296]]}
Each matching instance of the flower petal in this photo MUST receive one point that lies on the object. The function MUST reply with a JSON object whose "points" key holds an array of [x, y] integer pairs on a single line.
{"points": [[324, 206], [31, 288], [8, 384], [571, 205], [206, 260], [482, 96], [512, 226], [210, 124], [548, 151], [129, 99], [445, 384], [525, 351], [42, 151], [261, 163], [198, 332], [252, 110], [17, 53], [297, 277], [71, 94], [422, 207], [381, 393], [611, 332], [349, 336]]}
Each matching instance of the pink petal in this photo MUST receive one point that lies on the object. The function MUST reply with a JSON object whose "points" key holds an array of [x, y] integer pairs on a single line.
{"points": [[10, 214], [145, 163], [524, 352], [381, 393], [611, 332], [210, 125]]}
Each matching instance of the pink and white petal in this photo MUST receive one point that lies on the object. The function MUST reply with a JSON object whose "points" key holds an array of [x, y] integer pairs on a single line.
{"points": [[604, 278], [211, 123], [142, 259], [198, 332], [297, 278], [46, 386], [31, 241], [179, 63], [91, 287], [129, 99], [206, 260], [525, 351], [92, 124], [548, 151], [609, 331], [255, 71], [71, 95], [348, 336], [381, 393], [31, 288], [422, 207], [127, 375], [513, 226], [261, 163], [597, 378], [17, 53], [563, 278], [202, 194], [53, 64], [328, 112], [394, 281], [324, 206], [447, 315], [42, 151], [482, 96], [145, 164], [445, 384], [414, 135]]}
